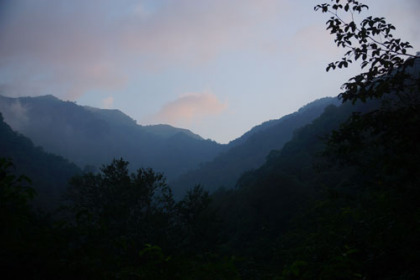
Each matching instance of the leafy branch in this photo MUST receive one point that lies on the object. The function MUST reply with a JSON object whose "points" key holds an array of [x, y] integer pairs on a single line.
{"points": [[372, 42]]}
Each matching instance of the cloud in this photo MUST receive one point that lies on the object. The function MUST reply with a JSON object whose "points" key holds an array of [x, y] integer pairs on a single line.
{"points": [[58, 47], [108, 102], [200, 30], [189, 108], [68, 48], [15, 115]]}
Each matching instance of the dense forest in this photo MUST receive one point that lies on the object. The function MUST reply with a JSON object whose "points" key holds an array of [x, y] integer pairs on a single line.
{"points": [[339, 200]]}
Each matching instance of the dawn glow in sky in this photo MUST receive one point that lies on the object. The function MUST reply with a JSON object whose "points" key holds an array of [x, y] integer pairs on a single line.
{"points": [[216, 67]]}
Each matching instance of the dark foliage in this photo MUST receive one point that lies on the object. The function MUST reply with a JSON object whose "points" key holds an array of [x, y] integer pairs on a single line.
{"points": [[114, 225]]}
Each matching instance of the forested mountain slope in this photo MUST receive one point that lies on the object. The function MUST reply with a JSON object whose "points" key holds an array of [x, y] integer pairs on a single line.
{"points": [[90, 136], [320, 209], [265, 199], [250, 150], [49, 174]]}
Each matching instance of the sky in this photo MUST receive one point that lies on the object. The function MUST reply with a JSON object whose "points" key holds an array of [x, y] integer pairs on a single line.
{"points": [[216, 67]]}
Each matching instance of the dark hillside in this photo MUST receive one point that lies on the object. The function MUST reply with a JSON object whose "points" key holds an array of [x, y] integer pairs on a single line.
{"points": [[49, 173], [250, 150]]}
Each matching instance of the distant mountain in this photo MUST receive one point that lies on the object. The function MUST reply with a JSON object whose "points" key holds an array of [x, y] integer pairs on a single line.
{"points": [[116, 117], [250, 150], [167, 131], [93, 137], [48, 173]]}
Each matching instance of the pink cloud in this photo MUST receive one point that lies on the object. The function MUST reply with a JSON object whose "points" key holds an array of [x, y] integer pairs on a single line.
{"points": [[189, 108], [69, 48], [108, 102], [54, 47]]}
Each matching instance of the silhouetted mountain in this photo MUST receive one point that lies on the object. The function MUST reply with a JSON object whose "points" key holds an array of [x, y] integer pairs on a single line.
{"points": [[259, 209], [48, 173], [91, 136], [250, 150], [167, 131], [338, 183]]}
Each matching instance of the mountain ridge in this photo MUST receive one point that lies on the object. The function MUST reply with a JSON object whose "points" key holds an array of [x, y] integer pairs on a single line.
{"points": [[48, 173], [92, 136], [251, 149]]}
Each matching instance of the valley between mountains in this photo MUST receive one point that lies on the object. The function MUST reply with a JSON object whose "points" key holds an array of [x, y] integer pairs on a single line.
{"points": [[90, 137]]}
